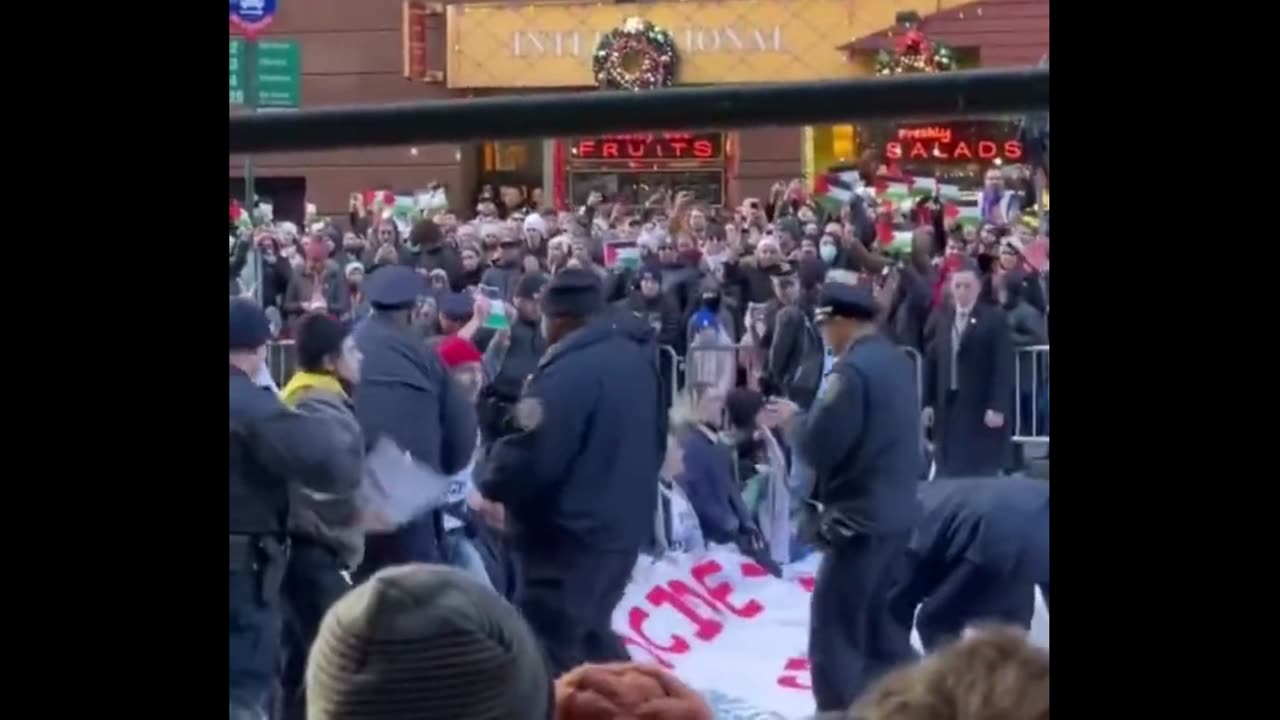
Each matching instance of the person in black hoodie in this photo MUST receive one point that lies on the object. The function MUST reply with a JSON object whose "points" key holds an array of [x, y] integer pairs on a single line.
{"points": [[473, 266], [513, 355], [796, 354], [658, 309], [426, 249], [506, 272], [679, 275]]}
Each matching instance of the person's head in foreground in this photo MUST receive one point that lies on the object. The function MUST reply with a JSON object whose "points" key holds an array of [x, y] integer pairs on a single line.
{"points": [[393, 292], [844, 313], [626, 691], [425, 641], [571, 299], [992, 673]]}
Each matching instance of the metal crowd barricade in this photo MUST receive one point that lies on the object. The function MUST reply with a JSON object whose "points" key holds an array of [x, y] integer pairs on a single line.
{"points": [[282, 360], [673, 372], [1031, 398], [715, 368], [917, 361]]}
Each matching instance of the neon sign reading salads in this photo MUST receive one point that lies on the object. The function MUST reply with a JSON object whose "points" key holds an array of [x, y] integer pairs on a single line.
{"points": [[951, 143]]}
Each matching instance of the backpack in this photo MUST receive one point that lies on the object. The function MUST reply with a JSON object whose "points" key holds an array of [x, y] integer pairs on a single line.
{"points": [[802, 387]]}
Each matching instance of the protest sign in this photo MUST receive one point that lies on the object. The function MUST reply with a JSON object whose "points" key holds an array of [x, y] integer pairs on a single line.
{"points": [[730, 630]]}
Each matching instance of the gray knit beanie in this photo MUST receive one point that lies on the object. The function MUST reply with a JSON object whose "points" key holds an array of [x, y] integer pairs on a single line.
{"points": [[425, 641]]}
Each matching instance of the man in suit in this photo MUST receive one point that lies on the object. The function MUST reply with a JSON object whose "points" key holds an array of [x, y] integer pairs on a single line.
{"points": [[969, 382]]}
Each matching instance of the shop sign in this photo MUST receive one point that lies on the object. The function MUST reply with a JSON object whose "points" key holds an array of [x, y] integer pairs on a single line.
{"points": [[951, 143], [649, 147], [551, 44]]}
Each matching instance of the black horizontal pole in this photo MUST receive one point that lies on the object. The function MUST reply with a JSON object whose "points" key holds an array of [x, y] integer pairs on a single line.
{"points": [[931, 96]]}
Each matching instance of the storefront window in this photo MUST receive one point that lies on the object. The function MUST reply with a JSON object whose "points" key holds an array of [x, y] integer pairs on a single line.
{"points": [[631, 168], [635, 188], [957, 153]]}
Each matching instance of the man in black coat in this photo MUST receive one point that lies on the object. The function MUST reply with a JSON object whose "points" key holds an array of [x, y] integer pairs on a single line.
{"points": [[270, 444], [407, 396], [862, 440], [579, 479], [976, 555], [968, 382]]}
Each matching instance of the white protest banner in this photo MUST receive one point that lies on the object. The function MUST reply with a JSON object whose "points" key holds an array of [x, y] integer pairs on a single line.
{"points": [[731, 631]]}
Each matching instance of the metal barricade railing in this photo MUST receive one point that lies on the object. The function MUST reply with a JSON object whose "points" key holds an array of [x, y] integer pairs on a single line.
{"points": [[672, 369], [1031, 394], [282, 360], [716, 367], [917, 361]]}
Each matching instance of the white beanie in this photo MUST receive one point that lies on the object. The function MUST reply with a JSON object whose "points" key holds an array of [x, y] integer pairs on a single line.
{"points": [[535, 222]]}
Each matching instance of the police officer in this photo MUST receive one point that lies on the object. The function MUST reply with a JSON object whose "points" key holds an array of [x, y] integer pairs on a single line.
{"points": [[579, 478], [407, 396], [515, 354], [980, 548], [270, 445], [861, 438]]}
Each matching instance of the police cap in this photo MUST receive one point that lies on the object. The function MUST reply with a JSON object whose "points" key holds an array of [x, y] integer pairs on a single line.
{"points": [[574, 292], [394, 287], [457, 307], [250, 329], [847, 301]]}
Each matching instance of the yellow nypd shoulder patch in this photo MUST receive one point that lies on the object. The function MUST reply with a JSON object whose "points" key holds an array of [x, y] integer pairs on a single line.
{"points": [[528, 413]]}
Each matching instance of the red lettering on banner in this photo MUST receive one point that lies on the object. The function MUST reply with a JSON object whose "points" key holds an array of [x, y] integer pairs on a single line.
{"points": [[806, 582], [754, 570], [720, 592], [796, 674], [658, 658], [1013, 150], [706, 629], [635, 619]]}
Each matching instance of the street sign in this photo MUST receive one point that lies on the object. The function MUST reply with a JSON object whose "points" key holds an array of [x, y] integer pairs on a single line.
{"points": [[239, 71], [278, 76], [252, 16]]}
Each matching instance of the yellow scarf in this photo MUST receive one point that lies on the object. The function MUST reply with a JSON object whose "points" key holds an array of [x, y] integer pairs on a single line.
{"points": [[304, 381]]}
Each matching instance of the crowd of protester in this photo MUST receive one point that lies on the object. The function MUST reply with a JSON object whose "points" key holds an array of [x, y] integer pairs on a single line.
{"points": [[732, 292]]}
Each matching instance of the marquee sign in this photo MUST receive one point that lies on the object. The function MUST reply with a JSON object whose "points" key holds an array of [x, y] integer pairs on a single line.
{"points": [[651, 147], [953, 142]]}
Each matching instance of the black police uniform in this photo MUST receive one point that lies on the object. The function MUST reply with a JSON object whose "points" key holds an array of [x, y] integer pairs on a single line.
{"points": [[977, 554], [407, 395], [270, 444], [579, 480], [862, 439]]}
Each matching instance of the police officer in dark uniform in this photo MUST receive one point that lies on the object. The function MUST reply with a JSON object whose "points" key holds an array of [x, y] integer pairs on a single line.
{"points": [[270, 444], [407, 396], [977, 554], [861, 438], [579, 478], [516, 355]]}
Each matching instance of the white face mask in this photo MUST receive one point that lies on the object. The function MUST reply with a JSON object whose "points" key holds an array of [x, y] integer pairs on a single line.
{"points": [[827, 253], [542, 328]]}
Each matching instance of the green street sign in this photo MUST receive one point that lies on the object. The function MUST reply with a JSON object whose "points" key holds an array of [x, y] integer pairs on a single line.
{"points": [[238, 74], [279, 73]]}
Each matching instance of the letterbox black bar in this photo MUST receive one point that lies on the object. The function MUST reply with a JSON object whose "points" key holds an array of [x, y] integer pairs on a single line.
{"points": [[923, 96]]}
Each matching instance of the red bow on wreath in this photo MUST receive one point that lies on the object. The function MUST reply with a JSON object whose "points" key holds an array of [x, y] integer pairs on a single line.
{"points": [[913, 43]]}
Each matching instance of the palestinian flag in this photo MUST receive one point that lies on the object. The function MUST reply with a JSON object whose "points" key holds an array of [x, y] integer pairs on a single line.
{"points": [[924, 187], [899, 242], [962, 213], [624, 253], [893, 191], [835, 189], [377, 200], [405, 208], [240, 217]]}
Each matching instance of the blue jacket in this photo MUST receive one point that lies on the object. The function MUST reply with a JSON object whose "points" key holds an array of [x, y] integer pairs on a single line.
{"points": [[708, 481], [999, 523], [582, 468]]}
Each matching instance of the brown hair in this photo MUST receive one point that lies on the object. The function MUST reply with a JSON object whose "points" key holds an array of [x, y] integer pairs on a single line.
{"points": [[993, 674]]}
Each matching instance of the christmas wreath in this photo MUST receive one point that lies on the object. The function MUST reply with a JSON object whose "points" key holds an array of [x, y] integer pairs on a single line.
{"points": [[913, 52], [636, 56]]}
